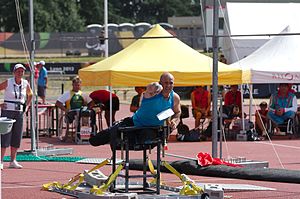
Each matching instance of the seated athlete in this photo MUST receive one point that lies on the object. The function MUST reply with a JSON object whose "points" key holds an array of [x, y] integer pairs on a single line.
{"points": [[74, 100], [152, 104]]}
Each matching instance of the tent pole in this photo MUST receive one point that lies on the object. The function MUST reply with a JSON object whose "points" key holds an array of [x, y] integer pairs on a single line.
{"points": [[242, 100], [215, 45], [110, 106], [250, 101]]}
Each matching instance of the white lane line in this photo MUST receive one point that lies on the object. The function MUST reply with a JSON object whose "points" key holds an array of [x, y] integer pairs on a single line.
{"points": [[17, 187], [281, 145]]}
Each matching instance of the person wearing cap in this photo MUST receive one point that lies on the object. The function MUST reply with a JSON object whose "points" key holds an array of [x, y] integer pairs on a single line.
{"points": [[282, 106], [17, 98], [42, 82], [261, 119]]}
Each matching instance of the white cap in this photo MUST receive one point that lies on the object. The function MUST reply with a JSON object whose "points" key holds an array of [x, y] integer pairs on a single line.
{"points": [[42, 63], [19, 66]]}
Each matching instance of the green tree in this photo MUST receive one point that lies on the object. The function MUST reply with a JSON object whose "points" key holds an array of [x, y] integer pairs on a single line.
{"points": [[49, 16], [74, 15], [91, 11], [57, 16], [154, 11], [8, 15]]}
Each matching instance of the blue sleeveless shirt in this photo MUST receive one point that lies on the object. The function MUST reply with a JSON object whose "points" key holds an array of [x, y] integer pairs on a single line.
{"points": [[150, 107]]}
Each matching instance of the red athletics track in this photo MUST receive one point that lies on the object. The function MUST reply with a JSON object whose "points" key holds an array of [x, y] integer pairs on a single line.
{"points": [[26, 183]]}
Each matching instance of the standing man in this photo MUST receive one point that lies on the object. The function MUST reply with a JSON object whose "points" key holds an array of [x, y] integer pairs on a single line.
{"points": [[42, 81]]}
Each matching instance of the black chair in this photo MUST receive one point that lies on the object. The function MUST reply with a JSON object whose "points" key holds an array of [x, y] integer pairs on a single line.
{"points": [[290, 126], [139, 138]]}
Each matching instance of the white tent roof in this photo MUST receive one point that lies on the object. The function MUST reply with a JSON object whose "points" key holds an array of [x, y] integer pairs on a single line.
{"points": [[277, 61], [255, 18]]}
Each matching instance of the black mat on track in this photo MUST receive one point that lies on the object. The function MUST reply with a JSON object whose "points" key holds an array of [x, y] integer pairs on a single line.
{"points": [[190, 167]]}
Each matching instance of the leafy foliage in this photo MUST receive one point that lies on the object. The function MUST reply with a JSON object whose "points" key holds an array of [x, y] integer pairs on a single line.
{"points": [[74, 15]]}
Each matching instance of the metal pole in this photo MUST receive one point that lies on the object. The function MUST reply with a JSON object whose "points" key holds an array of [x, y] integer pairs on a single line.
{"points": [[250, 101], [215, 45], [106, 54], [32, 110], [243, 118], [110, 106], [105, 26], [220, 132]]}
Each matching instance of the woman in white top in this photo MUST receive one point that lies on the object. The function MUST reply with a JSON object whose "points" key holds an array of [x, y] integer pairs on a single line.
{"points": [[17, 97]]}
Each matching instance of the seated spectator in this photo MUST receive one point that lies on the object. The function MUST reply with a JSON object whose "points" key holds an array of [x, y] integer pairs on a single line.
{"points": [[282, 106], [74, 99], [201, 101], [103, 97], [233, 98], [223, 59], [135, 102], [152, 104], [261, 119], [291, 88]]}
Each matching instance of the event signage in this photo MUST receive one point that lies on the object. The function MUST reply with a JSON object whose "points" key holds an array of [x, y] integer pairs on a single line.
{"points": [[66, 68]]}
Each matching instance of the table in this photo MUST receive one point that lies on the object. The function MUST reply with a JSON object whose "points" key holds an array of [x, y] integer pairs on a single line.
{"points": [[47, 120]]}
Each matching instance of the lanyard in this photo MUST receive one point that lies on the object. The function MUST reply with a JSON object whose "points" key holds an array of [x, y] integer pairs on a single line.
{"points": [[20, 88]]}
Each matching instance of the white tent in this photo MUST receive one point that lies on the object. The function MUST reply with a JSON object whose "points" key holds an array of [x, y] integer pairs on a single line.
{"points": [[277, 61], [254, 19]]}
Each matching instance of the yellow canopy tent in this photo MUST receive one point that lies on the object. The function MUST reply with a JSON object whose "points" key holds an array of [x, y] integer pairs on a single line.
{"points": [[146, 59]]}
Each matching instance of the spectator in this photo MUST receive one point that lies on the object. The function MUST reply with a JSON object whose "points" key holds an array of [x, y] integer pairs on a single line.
{"points": [[135, 102], [223, 59], [201, 101], [42, 81], [261, 119], [291, 88], [36, 72], [74, 99], [283, 105], [232, 98], [103, 97], [17, 98], [102, 43], [146, 115]]}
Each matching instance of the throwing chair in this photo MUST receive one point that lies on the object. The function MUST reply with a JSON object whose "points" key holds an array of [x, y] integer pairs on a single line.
{"points": [[138, 139]]}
